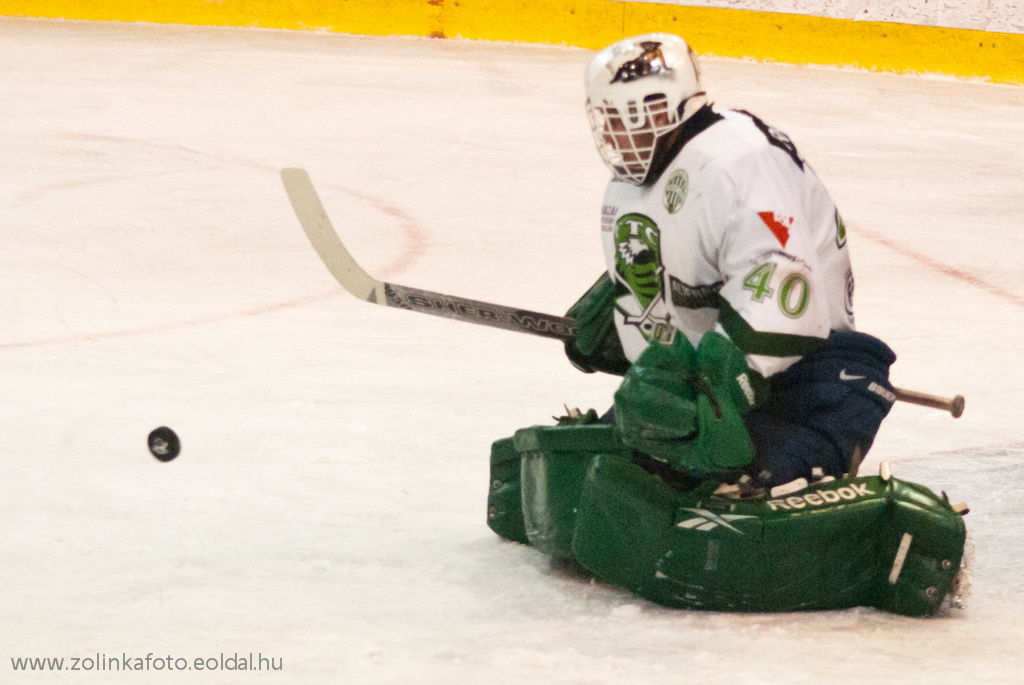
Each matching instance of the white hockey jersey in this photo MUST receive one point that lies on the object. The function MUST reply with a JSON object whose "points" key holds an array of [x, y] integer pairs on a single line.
{"points": [[737, 235]]}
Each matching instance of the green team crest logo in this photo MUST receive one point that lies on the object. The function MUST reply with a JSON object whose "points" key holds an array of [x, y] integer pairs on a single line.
{"points": [[675, 191], [638, 256], [638, 267]]}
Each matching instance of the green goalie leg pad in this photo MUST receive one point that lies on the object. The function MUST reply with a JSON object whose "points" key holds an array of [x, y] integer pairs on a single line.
{"points": [[831, 546], [504, 502], [624, 520], [554, 463], [921, 551], [573, 491], [812, 550]]}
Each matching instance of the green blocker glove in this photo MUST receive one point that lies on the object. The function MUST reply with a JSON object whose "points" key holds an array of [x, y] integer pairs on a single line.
{"points": [[685, 407], [595, 345]]}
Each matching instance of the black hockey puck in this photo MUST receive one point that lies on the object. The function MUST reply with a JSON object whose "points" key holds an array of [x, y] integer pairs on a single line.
{"points": [[164, 443]]}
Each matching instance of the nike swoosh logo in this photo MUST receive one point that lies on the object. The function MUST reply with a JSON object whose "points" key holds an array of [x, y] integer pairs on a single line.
{"points": [[843, 376]]}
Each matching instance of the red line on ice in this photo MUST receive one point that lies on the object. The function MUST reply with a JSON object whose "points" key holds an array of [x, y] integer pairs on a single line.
{"points": [[415, 247], [943, 268]]}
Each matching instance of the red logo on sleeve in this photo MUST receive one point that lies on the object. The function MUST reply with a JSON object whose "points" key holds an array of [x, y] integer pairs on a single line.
{"points": [[777, 225]]}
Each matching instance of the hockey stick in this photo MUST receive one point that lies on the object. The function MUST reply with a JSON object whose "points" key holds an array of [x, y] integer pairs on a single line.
{"points": [[954, 405], [336, 257], [354, 279]]}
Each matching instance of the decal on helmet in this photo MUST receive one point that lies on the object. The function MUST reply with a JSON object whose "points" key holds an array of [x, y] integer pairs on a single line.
{"points": [[650, 61]]}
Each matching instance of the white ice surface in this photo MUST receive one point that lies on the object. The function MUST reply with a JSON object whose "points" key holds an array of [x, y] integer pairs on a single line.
{"points": [[327, 509]]}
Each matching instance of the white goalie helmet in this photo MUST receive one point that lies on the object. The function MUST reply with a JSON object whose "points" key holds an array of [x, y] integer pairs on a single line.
{"points": [[638, 90]]}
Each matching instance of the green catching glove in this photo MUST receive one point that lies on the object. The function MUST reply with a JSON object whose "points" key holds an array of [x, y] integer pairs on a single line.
{"points": [[595, 345], [685, 407]]}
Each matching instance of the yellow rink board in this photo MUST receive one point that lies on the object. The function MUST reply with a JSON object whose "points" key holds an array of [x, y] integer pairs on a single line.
{"points": [[765, 36]]}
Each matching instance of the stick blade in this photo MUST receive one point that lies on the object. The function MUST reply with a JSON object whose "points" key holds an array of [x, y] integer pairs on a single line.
{"points": [[324, 239], [336, 257]]}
